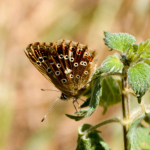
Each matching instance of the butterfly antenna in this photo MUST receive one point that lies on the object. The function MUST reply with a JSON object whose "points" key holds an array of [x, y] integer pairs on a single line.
{"points": [[50, 109], [49, 90]]}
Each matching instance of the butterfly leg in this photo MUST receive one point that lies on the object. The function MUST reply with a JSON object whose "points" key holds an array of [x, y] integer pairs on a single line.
{"points": [[75, 100]]}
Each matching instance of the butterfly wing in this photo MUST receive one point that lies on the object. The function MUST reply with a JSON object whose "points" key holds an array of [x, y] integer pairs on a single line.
{"points": [[40, 55], [67, 64]]}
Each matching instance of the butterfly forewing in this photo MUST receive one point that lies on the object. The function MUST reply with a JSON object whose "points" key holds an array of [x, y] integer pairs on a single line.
{"points": [[67, 64]]}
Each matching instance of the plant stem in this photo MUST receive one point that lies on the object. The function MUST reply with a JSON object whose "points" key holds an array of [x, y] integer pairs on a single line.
{"points": [[103, 123], [125, 108]]}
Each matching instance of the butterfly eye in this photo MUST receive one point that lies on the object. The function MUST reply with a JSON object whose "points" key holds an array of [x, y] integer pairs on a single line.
{"points": [[63, 96]]}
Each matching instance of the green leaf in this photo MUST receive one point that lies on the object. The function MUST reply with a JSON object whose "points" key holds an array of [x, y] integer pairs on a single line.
{"points": [[147, 118], [139, 78], [111, 64], [86, 103], [135, 47], [94, 101], [138, 136], [119, 41], [91, 140], [144, 47], [147, 61], [111, 91]]}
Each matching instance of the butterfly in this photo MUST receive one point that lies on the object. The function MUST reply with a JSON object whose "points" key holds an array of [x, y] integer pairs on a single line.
{"points": [[67, 64]]}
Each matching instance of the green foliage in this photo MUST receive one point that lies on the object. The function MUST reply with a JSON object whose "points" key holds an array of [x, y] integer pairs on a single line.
{"points": [[139, 78], [90, 140], [111, 64], [144, 47], [139, 52], [111, 84], [86, 103], [147, 118], [94, 101], [138, 136], [111, 91], [121, 42]]}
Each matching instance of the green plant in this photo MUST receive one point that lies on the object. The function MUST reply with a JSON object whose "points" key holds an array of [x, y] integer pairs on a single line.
{"points": [[119, 76]]}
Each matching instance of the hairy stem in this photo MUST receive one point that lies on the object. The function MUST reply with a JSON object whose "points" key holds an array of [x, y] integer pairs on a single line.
{"points": [[125, 108], [103, 123]]}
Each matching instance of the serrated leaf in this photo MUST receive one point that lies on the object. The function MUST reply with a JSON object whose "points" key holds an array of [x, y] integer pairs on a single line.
{"points": [[119, 41], [138, 136], [139, 78], [111, 64], [111, 91], [94, 101], [144, 47], [90, 141]]}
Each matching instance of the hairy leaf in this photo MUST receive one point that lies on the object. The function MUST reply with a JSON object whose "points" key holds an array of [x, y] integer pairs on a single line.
{"points": [[90, 141], [138, 136], [111, 91], [119, 41], [139, 78], [144, 47], [111, 64]]}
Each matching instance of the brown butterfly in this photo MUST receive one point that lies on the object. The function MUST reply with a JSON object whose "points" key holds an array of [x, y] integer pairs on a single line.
{"points": [[67, 64]]}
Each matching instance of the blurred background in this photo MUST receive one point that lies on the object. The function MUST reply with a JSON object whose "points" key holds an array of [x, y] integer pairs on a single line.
{"points": [[22, 103]]}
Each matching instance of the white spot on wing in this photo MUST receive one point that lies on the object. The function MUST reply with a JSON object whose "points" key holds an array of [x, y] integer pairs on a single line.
{"points": [[77, 76], [67, 70], [57, 73], [58, 65], [63, 80], [71, 75], [76, 64]]}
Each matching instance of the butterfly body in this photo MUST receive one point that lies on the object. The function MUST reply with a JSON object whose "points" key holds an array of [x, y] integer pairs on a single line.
{"points": [[67, 64]]}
